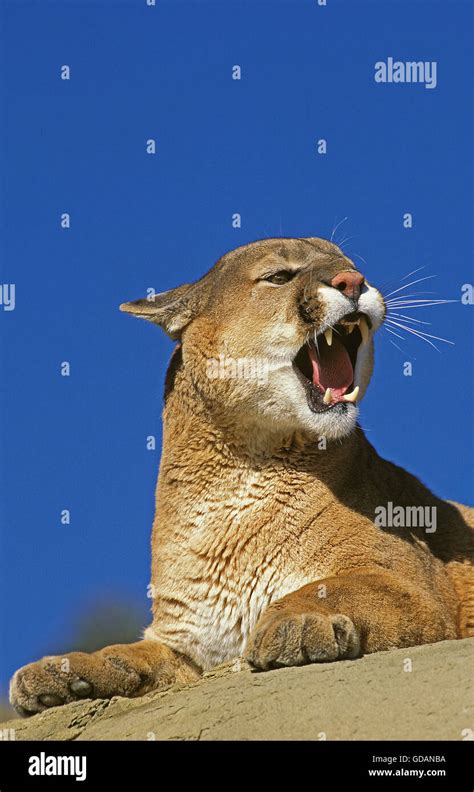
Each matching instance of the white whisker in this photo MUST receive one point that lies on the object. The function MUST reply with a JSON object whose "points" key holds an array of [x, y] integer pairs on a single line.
{"points": [[398, 280], [424, 336], [407, 318], [421, 337], [347, 239], [396, 345], [409, 296], [413, 272], [419, 304], [394, 281], [395, 334], [336, 227], [412, 283], [360, 257]]}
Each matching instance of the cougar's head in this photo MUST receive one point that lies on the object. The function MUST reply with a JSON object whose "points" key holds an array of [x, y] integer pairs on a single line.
{"points": [[278, 335]]}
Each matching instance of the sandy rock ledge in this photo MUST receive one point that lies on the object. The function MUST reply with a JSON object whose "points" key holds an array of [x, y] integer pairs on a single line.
{"points": [[366, 699]]}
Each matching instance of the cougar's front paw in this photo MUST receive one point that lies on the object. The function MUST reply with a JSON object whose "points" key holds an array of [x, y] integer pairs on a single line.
{"points": [[281, 639], [53, 681]]}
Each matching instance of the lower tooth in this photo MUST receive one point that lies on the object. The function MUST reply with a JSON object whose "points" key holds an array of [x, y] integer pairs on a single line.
{"points": [[327, 399], [352, 397]]}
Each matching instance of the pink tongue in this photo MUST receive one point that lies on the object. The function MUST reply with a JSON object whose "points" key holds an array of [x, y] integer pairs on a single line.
{"points": [[332, 368]]}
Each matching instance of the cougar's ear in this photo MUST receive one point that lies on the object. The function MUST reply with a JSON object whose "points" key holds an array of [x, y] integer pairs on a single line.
{"points": [[172, 310]]}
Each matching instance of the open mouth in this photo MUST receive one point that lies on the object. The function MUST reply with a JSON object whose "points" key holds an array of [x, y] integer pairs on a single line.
{"points": [[326, 363]]}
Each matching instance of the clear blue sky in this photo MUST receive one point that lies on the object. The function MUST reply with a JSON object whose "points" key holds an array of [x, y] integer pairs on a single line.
{"points": [[140, 221]]}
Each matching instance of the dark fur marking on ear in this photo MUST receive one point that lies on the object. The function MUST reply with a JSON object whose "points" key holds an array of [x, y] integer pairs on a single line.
{"points": [[175, 365]]}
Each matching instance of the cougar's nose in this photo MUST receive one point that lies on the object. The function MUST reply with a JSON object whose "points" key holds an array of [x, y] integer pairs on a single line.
{"points": [[348, 283]]}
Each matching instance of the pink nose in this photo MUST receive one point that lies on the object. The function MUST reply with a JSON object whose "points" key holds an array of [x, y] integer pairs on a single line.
{"points": [[348, 283]]}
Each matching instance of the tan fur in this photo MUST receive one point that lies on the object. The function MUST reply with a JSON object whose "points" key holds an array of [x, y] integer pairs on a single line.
{"points": [[264, 542]]}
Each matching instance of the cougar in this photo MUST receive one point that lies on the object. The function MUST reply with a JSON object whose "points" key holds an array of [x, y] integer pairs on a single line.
{"points": [[265, 540]]}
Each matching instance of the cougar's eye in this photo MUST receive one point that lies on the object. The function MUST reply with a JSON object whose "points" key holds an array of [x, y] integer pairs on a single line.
{"points": [[281, 277]]}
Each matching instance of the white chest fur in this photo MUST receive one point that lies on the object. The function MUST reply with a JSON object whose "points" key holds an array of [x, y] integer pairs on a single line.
{"points": [[230, 557]]}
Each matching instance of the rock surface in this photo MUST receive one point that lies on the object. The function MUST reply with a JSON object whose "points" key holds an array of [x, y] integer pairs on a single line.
{"points": [[372, 698]]}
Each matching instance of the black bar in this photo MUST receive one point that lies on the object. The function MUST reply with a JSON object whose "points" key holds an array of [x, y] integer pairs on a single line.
{"points": [[367, 765]]}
